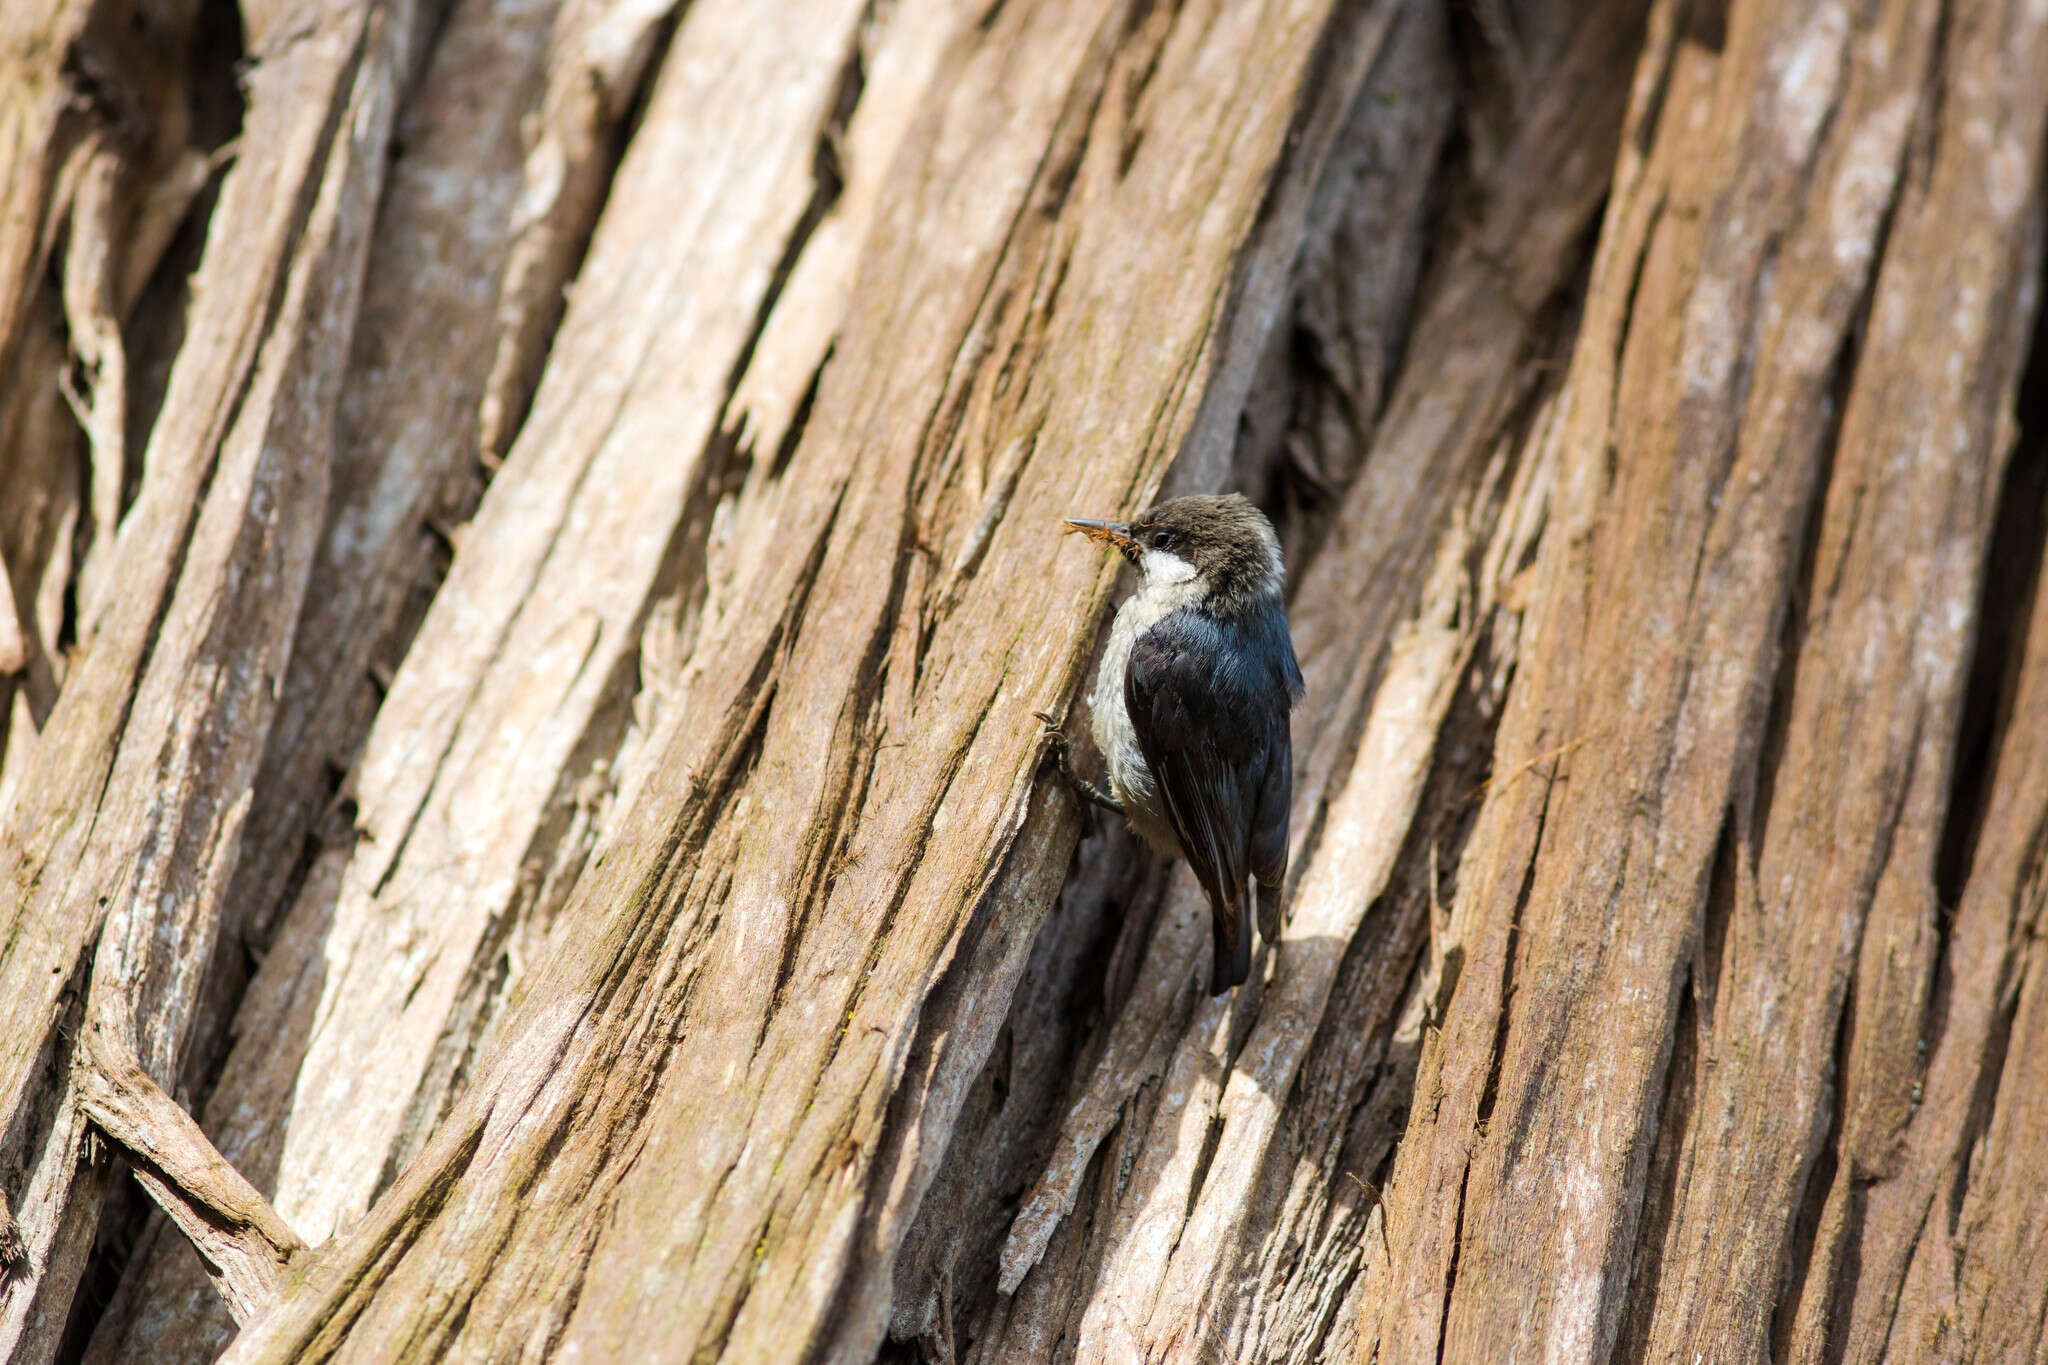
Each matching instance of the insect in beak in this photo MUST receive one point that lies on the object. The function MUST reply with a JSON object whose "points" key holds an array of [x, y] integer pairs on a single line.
{"points": [[1112, 533]]}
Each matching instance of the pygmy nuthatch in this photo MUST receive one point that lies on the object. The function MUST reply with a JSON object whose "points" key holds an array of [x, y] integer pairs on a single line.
{"points": [[1190, 708]]}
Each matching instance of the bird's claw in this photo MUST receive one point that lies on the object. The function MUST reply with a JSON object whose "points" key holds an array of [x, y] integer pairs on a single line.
{"points": [[1062, 755]]}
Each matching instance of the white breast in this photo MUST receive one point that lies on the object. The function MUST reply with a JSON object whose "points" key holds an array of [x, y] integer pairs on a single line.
{"points": [[1130, 779]]}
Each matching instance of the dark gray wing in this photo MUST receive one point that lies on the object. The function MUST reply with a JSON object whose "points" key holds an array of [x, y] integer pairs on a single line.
{"points": [[1209, 701]]}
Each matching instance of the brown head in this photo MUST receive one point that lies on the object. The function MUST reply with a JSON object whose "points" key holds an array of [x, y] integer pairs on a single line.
{"points": [[1222, 542]]}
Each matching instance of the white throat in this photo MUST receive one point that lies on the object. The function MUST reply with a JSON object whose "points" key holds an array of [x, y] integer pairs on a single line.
{"points": [[1163, 570]]}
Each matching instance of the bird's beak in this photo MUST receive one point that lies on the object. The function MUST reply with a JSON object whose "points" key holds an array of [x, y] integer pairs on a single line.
{"points": [[1114, 533]]}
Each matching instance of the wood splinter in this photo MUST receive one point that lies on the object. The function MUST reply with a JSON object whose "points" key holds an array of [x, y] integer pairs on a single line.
{"points": [[244, 1243]]}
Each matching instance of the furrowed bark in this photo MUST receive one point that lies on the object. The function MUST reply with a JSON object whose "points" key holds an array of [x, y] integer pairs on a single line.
{"points": [[1353, 290], [1179, 1237], [404, 450], [943, 1269], [1927, 1253], [100, 168], [1755, 220], [761, 1185], [1897, 1274], [1705, 488], [599, 55], [123, 835], [529, 557], [1853, 814], [455, 820]]}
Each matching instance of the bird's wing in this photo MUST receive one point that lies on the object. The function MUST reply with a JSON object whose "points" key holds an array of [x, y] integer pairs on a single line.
{"points": [[1269, 815], [1268, 629], [1269, 836], [1214, 734]]}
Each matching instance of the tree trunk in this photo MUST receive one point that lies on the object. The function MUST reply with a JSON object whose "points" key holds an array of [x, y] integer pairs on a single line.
{"points": [[529, 535]]}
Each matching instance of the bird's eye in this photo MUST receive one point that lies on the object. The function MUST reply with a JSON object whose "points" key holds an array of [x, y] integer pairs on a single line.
{"points": [[1162, 540]]}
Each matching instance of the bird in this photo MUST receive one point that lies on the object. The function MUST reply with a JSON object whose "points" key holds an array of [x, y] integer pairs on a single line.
{"points": [[1190, 708]]}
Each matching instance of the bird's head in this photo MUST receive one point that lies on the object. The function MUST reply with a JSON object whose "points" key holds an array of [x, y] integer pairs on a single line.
{"points": [[1223, 543]]}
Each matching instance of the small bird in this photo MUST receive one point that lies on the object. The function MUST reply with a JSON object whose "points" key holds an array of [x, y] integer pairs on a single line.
{"points": [[1190, 708]]}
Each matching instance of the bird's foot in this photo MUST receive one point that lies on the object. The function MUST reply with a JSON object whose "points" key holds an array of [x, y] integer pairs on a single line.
{"points": [[1063, 757]]}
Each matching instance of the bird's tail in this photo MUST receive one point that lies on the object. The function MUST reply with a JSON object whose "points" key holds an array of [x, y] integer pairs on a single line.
{"points": [[1230, 925]]}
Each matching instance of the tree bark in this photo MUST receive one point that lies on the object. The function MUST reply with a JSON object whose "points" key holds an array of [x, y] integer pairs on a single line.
{"points": [[530, 560]]}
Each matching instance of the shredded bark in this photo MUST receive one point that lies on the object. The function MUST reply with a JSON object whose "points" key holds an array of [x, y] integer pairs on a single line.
{"points": [[527, 571]]}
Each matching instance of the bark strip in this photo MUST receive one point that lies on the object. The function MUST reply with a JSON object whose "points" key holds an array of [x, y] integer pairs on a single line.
{"points": [[247, 1247]]}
